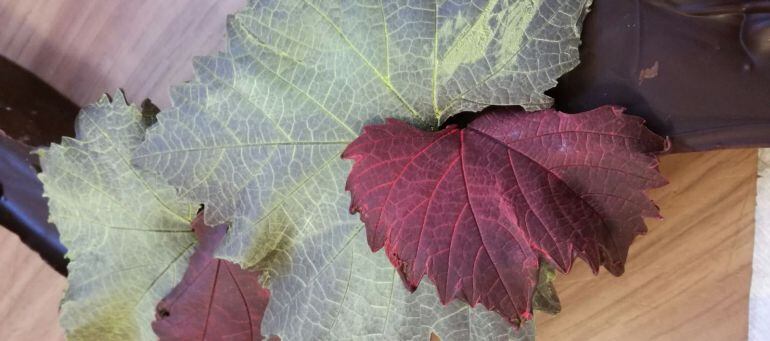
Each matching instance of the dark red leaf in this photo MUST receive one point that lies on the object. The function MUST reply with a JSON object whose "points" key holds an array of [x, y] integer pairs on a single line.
{"points": [[476, 208], [215, 300]]}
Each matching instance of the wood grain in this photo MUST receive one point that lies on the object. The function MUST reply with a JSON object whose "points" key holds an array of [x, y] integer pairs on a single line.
{"points": [[31, 290], [688, 278], [88, 47]]}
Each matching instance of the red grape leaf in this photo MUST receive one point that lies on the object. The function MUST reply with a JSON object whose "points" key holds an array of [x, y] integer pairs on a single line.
{"points": [[215, 300], [475, 208]]}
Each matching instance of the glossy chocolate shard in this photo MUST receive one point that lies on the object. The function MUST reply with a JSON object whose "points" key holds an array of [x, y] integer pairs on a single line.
{"points": [[23, 209], [31, 111], [698, 71], [34, 113]]}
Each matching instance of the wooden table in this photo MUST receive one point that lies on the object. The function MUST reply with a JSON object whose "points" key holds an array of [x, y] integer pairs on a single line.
{"points": [[688, 278]]}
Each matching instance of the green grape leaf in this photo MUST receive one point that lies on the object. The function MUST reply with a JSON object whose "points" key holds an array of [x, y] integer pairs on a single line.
{"points": [[323, 290], [257, 136], [127, 233], [300, 78]]}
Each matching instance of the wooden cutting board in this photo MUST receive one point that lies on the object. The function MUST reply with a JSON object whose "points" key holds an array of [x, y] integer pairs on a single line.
{"points": [[688, 278]]}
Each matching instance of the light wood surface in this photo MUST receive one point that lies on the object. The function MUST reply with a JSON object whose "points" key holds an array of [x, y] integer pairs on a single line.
{"points": [[31, 290], [87, 47], [688, 278]]}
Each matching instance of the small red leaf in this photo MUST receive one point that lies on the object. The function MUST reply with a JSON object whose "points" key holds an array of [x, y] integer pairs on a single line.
{"points": [[475, 208], [215, 300]]}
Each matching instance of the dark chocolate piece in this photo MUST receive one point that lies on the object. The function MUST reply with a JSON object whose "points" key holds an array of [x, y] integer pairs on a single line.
{"points": [[23, 209], [34, 113], [698, 71], [31, 111]]}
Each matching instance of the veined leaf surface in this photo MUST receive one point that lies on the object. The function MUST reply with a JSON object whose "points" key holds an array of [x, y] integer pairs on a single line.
{"points": [[478, 209], [257, 136], [127, 232], [300, 78], [130, 240], [215, 300]]}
